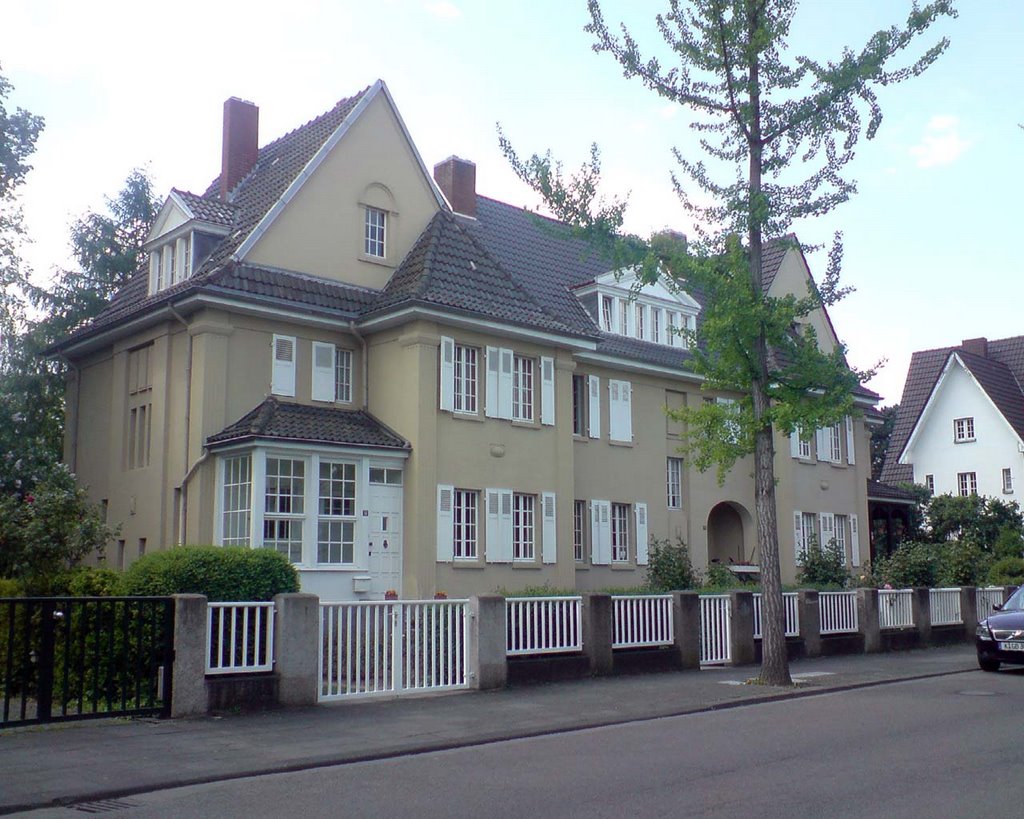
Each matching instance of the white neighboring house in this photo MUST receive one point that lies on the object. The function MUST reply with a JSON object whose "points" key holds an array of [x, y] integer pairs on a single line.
{"points": [[960, 428]]}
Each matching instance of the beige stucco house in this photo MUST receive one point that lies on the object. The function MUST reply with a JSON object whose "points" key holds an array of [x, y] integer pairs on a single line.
{"points": [[401, 384]]}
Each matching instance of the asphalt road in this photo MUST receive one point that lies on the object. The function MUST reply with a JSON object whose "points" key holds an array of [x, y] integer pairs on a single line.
{"points": [[942, 747]]}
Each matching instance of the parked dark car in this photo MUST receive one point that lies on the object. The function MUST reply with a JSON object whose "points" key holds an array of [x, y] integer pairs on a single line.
{"points": [[1000, 636]]}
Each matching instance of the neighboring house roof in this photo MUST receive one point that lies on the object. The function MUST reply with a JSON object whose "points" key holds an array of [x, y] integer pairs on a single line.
{"points": [[274, 420], [1000, 374], [892, 494]]}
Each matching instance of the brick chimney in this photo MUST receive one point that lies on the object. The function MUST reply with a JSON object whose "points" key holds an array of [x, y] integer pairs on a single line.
{"points": [[457, 180], [976, 346], [241, 143]]}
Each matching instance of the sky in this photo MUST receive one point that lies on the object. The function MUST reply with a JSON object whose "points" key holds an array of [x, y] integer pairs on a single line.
{"points": [[928, 238]]}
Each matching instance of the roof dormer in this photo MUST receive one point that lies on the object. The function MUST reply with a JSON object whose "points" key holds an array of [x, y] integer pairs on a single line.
{"points": [[183, 235]]}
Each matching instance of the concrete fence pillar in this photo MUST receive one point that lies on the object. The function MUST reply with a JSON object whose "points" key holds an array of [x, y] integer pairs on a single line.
{"points": [[297, 648], [867, 620], [488, 662], [188, 686], [741, 610], [597, 632], [969, 610], [810, 621], [921, 607], [686, 627]]}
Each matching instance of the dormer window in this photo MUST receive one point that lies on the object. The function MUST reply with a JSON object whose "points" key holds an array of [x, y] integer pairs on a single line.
{"points": [[606, 313], [659, 312], [170, 263], [374, 233]]}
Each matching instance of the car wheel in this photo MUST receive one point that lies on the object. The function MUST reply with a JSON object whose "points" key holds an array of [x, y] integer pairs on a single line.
{"points": [[988, 665]]}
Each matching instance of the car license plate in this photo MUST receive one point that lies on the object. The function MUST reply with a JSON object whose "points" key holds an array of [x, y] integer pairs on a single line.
{"points": [[1011, 646]]}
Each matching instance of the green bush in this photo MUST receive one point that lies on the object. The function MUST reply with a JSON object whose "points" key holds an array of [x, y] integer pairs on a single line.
{"points": [[537, 591], [823, 566], [88, 581], [719, 577], [962, 563], [1009, 543], [912, 564], [1009, 571], [10, 587], [219, 572], [669, 566]]}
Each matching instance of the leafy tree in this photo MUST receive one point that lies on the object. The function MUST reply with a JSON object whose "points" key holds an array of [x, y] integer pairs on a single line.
{"points": [[770, 119], [880, 436], [972, 517]]}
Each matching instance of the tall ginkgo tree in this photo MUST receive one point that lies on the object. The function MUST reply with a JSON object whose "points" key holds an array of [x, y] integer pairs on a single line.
{"points": [[783, 127]]}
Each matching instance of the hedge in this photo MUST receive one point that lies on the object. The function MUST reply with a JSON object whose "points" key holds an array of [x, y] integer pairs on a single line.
{"points": [[219, 572]]}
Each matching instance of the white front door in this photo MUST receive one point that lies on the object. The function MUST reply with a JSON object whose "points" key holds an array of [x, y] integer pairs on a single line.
{"points": [[385, 541]]}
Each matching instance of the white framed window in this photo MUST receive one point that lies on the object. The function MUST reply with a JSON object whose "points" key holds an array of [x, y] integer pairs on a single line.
{"points": [[835, 444], [805, 534], [523, 526], [282, 377], [606, 313], [640, 325], [236, 500], [342, 375], [620, 532], [1007, 481], [656, 325], [464, 372], [374, 233], [579, 405], [799, 446], [929, 482], [465, 519], [522, 388], [579, 522], [336, 513], [672, 322], [963, 429], [839, 534], [623, 317], [967, 483], [674, 482], [284, 506]]}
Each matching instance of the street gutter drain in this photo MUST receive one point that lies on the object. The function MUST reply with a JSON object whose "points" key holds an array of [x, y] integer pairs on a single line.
{"points": [[104, 806]]}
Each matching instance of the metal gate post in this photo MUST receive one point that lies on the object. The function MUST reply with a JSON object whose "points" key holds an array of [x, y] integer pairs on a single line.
{"points": [[45, 662]]}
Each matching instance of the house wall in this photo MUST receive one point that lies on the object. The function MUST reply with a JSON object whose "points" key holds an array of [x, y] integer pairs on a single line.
{"points": [[995, 447], [792, 278], [321, 229]]}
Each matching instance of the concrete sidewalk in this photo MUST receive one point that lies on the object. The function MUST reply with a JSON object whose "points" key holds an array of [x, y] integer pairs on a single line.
{"points": [[80, 762]]}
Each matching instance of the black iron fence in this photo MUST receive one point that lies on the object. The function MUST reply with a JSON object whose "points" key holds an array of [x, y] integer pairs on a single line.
{"points": [[64, 658]]}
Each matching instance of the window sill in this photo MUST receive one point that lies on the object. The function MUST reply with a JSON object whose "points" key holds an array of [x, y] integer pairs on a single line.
{"points": [[380, 260], [466, 563], [525, 424], [627, 444], [525, 564], [964, 440], [459, 415], [622, 566]]}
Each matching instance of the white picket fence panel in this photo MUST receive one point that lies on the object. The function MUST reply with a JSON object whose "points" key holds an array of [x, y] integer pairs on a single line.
{"points": [[239, 637], [642, 620], [895, 608], [945, 607], [838, 612], [987, 598], [715, 629], [392, 647], [543, 625], [791, 604]]}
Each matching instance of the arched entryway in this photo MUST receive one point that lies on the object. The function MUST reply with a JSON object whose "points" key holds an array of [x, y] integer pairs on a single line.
{"points": [[728, 524]]}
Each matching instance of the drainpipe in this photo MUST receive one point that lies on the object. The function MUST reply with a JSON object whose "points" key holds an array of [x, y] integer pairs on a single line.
{"points": [[366, 366], [183, 486]]}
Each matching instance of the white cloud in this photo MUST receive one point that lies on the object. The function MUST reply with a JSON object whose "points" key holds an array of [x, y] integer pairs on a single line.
{"points": [[445, 9], [941, 143]]}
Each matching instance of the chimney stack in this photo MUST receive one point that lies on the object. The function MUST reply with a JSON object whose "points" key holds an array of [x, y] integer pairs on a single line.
{"points": [[976, 346], [241, 143], [457, 180]]}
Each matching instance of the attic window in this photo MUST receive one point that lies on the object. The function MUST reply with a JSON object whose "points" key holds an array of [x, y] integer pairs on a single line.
{"points": [[170, 263], [646, 319], [374, 232]]}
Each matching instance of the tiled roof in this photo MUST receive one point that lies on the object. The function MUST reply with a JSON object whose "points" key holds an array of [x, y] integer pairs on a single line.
{"points": [[448, 268], [773, 253], [207, 208], [274, 420], [293, 289], [1000, 374], [883, 491]]}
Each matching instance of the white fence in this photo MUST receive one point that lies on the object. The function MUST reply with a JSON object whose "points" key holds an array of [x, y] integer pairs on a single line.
{"points": [[988, 598], [895, 608], [791, 603], [715, 629], [945, 607], [642, 620], [239, 638], [392, 647], [838, 612], [543, 625]]}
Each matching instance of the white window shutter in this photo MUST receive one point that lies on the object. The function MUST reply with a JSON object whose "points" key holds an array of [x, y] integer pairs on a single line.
{"points": [[447, 373], [492, 404], [445, 523], [594, 407], [854, 542], [851, 457], [640, 509], [798, 534], [323, 372], [549, 553], [606, 532], [794, 442], [505, 385], [827, 524], [493, 532], [601, 533], [620, 421], [547, 391], [505, 526], [626, 408], [282, 377], [824, 445]]}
